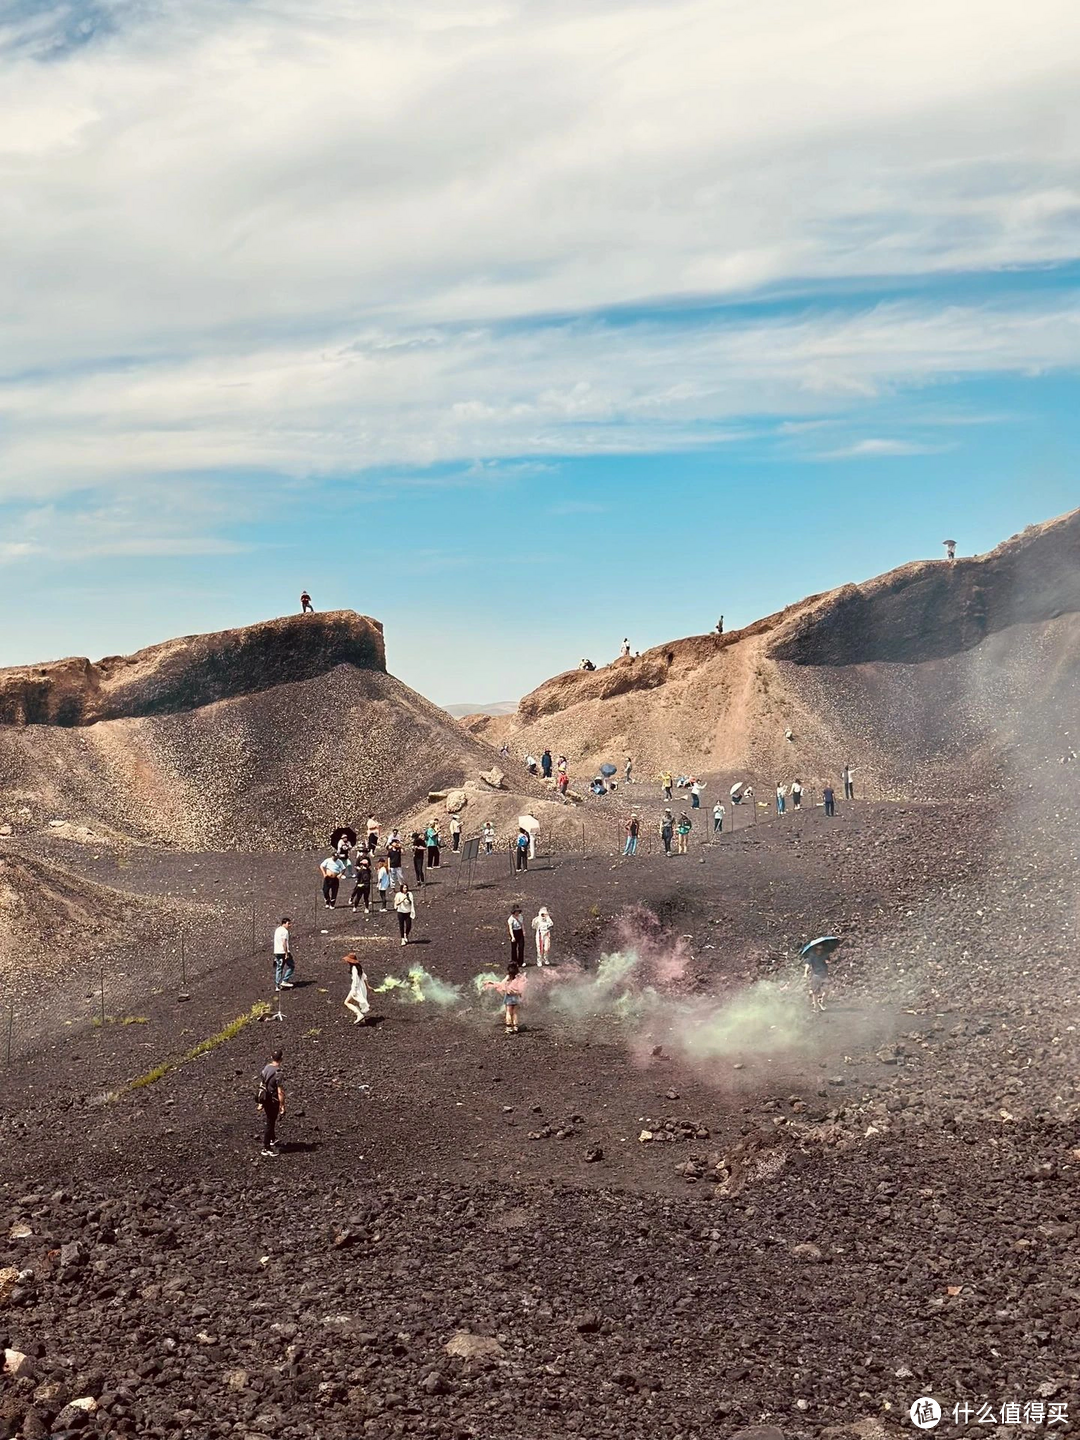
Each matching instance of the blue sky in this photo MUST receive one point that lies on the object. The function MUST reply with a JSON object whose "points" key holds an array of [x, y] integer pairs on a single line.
{"points": [[523, 327]]}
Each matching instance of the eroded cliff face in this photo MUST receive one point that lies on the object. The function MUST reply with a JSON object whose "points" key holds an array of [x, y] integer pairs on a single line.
{"points": [[934, 678], [190, 672], [933, 609]]}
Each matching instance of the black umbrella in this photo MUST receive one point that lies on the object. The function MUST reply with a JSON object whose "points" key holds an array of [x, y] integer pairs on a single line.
{"points": [[608, 769], [343, 832], [824, 945]]}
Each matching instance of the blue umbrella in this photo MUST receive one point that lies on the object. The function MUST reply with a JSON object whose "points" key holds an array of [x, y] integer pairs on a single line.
{"points": [[608, 769], [826, 944]]}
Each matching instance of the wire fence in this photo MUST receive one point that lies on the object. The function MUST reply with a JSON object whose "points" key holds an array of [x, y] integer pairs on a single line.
{"points": [[117, 986]]}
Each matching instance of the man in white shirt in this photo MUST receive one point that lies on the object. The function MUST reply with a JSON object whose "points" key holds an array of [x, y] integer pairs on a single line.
{"points": [[332, 870], [283, 961], [718, 818]]}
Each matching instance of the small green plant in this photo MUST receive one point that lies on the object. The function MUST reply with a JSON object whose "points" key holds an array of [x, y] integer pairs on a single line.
{"points": [[257, 1011], [97, 1021], [313, 1033]]}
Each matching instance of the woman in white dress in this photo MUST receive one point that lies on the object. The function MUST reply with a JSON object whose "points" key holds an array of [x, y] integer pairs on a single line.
{"points": [[357, 999], [543, 926]]}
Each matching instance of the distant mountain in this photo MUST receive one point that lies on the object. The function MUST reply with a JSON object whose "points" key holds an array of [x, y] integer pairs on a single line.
{"points": [[494, 707]]}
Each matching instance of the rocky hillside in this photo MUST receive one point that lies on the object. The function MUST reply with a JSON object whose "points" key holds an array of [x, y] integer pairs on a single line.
{"points": [[934, 679], [261, 737]]}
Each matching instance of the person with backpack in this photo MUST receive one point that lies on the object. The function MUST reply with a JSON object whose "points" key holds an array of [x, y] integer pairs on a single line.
{"points": [[271, 1101], [632, 830], [521, 848], [434, 841], [356, 1001], [283, 960], [362, 887], [667, 831], [405, 907], [682, 830]]}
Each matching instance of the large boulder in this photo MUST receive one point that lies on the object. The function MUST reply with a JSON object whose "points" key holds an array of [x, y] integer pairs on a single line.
{"points": [[456, 800], [495, 778]]}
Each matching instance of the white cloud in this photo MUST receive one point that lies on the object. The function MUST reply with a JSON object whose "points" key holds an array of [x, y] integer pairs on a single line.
{"points": [[307, 239], [881, 449]]}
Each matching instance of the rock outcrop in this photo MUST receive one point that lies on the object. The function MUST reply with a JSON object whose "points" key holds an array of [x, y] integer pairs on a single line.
{"points": [[191, 671]]}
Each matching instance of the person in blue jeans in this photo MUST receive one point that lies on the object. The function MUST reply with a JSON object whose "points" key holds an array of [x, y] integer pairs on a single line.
{"points": [[829, 796], [780, 794], [284, 969], [632, 831]]}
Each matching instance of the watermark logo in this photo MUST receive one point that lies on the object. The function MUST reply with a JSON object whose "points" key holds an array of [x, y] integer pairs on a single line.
{"points": [[925, 1412]]}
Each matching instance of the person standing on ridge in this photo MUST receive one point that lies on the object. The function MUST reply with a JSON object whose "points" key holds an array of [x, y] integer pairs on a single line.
{"points": [[848, 777], [625, 652], [720, 626], [271, 1101], [950, 549], [516, 929], [829, 797], [545, 763], [632, 830], [306, 607], [283, 960], [362, 887], [455, 834]]}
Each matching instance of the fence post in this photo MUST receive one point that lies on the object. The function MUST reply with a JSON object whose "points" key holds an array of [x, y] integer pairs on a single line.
{"points": [[183, 962], [583, 837], [10, 1028], [253, 927], [103, 994]]}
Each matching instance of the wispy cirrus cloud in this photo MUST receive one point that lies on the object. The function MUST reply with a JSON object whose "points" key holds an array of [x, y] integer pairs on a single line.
{"points": [[875, 449], [298, 240]]}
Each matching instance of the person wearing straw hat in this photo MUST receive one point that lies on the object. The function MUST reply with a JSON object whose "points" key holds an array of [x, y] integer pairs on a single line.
{"points": [[357, 999]]}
